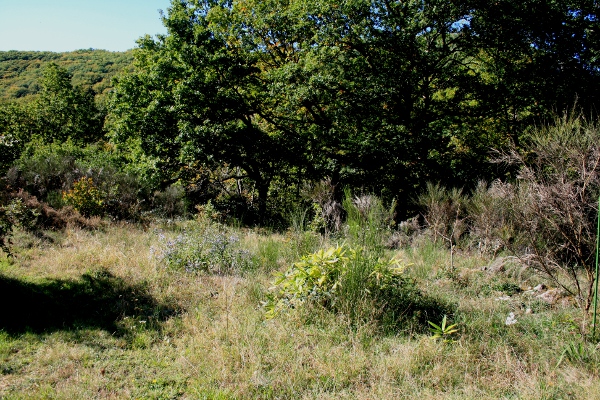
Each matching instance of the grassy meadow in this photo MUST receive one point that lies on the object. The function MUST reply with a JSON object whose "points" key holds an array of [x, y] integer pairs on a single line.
{"points": [[109, 313]]}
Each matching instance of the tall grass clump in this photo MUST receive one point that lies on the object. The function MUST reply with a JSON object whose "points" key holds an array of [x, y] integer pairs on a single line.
{"points": [[368, 221]]}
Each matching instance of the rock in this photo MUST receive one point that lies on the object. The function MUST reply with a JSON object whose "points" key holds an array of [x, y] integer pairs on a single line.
{"points": [[551, 296], [540, 287], [494, 267], [511, 320], [567, 301]]}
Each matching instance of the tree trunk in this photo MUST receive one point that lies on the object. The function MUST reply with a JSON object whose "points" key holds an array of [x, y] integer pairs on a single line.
{"points": [[262, 186]]}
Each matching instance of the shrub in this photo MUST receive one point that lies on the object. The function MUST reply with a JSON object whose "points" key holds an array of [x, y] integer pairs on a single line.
{"points": [[5, 231], [491, 218], [170, 202], [356, 284], [327, 211], [14, 212], [367, 220], [85, 198], [444, 212], [546, 217], [43, 168], [41, 216], [554, 202], [48, 170], [6, 225]]}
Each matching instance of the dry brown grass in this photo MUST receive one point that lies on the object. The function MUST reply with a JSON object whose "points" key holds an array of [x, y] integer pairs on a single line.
{"points": [[220, 346]]}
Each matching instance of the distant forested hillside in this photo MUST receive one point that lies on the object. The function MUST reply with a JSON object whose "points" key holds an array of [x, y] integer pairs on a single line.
{"points": [[20, 71]]}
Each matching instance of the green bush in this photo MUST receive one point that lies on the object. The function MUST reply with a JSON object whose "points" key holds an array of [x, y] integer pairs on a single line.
{"points": [[6, 226], [13, 212], [85, 197], [353, 282]]}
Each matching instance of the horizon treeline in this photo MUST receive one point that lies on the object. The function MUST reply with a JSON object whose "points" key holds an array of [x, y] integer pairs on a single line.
{"points": [[21, 71]]}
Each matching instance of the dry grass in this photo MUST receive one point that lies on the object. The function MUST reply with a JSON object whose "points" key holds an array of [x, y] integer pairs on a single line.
{"points": [[217, 344]]}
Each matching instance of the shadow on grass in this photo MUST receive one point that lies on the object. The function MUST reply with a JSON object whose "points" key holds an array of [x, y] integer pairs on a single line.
{"points": [[97, 300]]}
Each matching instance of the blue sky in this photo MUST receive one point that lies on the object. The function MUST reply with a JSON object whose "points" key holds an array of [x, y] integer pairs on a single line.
{"points": [[67, 25]]}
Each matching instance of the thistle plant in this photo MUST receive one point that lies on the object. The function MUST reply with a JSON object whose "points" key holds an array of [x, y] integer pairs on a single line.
{"points": [[208, 248]]}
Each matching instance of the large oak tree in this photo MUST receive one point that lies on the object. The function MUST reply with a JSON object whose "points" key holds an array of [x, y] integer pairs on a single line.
{"points": [[376, 94]]}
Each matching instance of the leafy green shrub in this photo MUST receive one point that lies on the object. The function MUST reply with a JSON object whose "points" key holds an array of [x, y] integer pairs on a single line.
{"points": [[85, 197], [356, 284], [315, 278], [205, 247]]}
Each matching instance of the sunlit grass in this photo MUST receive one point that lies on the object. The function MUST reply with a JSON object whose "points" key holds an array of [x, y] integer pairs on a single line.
{"points": [[216, 342]]}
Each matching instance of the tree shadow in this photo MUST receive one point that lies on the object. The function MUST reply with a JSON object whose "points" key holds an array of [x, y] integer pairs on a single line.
{"points": [[97, 300]]}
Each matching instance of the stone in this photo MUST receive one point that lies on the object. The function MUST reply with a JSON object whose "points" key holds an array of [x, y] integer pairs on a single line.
{"points": [[551, 296], [540, 287]]}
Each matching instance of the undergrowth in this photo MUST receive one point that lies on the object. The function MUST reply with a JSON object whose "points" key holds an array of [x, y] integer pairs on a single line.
{"points": [[110, 313], [353, 282]]}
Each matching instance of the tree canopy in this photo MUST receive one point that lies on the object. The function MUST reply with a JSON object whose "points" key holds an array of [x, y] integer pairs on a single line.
{"points": [[60, 112], [22, 71], [381, 95]]}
